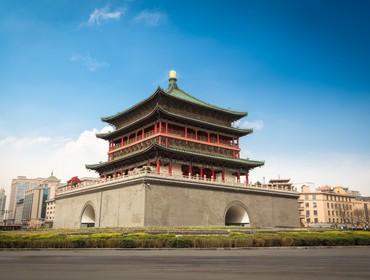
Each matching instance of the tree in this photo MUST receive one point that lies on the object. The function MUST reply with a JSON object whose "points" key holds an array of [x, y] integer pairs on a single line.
{"points": [[359, 217]]}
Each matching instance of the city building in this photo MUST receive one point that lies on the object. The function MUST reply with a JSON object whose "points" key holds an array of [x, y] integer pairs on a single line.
{"points": [[2, 204], [361, 207], [18, 214], [35, 202], [34, 208], [332, 207], [52, 183], [18, 190], [174, 160]]}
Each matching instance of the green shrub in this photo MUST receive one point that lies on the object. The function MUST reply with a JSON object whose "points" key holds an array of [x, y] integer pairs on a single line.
{"points": [[127, 243], [139, 238], [183, 242]]}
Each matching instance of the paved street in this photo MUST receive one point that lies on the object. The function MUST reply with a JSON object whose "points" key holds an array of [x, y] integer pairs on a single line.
{"points": [[330, 263]]}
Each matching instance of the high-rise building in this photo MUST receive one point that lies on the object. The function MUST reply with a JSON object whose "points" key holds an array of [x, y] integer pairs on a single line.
{"points": [[36, 200], [2, 204], [18, 213], [18, 191]]}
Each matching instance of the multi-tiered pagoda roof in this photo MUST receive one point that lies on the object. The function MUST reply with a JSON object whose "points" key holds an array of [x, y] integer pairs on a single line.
{"points": [[173, 126]]}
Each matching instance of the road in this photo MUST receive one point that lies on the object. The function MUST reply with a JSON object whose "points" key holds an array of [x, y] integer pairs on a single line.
{"points": [[279, 263]]}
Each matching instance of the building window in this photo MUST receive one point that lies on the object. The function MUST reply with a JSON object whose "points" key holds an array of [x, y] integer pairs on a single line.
{"points": [[316, 220], [307, 213], [328, 205], [314, 205], [307, 204], [329, 220], [314, 196], [328, 213], [332, 212], [308, 220], [315, 212]]}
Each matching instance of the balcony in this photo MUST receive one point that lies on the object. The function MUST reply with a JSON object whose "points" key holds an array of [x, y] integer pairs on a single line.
{"points": [[100, 182]]}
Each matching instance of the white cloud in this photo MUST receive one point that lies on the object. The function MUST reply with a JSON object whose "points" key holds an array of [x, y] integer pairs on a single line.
{"points": [[90, 63], [38, 156], [348, 170], [244, 123], [98, 16], [150, 18]]}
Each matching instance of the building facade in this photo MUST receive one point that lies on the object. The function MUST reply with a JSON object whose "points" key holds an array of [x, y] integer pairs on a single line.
{"points": [[18, 214], [2, 205], [361, 215], [31, 210], [52, 184], [331, 207], [174, 160], [18, 191], [34, 209]]}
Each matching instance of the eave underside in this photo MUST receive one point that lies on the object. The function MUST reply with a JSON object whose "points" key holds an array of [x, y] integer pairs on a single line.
{"points": [[159, 112], [158, 151]]}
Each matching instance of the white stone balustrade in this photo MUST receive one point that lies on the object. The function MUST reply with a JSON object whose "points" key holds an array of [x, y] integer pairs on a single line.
{"points": [[217, 181]]}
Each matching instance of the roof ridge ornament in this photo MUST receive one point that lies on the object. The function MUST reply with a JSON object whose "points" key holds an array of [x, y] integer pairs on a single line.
{"points": [[172, 78]]}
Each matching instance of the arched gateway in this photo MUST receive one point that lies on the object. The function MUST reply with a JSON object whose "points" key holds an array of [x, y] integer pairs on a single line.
{"points": [[236, 215], [88, 217]]}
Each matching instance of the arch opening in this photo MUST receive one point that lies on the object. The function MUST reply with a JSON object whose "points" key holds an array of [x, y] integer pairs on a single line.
{"points": [[88, 217], [237, 216]]}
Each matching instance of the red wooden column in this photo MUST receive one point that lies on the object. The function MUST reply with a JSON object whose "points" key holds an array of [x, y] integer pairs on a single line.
{"points": [[209, 137], [238, 177], [158, 166], [170, 167], [247, 177], [160, 131], [166, 134], [218, 138], [190, 170], [196, 134], [223, 174], [213, 174], [201, 173], [136, 136], [186, 132]]}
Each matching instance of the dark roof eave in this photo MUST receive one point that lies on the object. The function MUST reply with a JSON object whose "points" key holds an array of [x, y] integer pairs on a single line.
{"points": [[107, 136], [112, 118], [208, 106], [250, 163]]}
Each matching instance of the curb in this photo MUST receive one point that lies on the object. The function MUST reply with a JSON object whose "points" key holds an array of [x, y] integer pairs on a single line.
{"points": [[188, 249]]}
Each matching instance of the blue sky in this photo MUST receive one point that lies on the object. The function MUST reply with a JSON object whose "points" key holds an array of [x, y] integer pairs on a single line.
{"points": [[300, 68]]}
